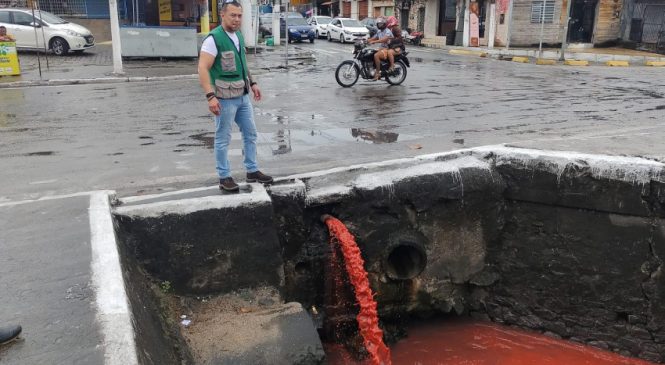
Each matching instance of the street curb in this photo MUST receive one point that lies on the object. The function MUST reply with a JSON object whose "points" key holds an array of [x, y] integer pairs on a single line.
{"points": [[576, 63], [544, 61], [99, 80], [577, 58], [464, 52], [617, 63], [521, 59]]}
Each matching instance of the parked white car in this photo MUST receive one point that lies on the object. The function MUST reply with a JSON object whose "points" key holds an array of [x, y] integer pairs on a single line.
{"points": [[346, 30], [60, 35], [320, 23]]}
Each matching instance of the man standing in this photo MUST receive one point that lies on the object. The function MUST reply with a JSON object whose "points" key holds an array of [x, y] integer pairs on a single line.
{"points": [[226, 80]]}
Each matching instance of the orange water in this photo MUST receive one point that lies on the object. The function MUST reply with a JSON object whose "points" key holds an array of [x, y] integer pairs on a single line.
{"points": [[368, 319], [464, 342]]}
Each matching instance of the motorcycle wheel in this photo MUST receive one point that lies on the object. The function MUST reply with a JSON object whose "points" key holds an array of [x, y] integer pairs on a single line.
{"points": [[399, 75], [347, 74]]}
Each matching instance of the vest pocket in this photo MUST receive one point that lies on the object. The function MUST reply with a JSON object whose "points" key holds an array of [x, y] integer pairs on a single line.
{"points": [[229, 89], [228, 61]]}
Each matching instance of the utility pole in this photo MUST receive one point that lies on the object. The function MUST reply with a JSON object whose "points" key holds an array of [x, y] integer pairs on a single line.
{"points": [[286, 34], [542, 28], [492, 30], [115, 38], [465, 33], [205, 18], [510, 23], [276, 22], [564, 36]]}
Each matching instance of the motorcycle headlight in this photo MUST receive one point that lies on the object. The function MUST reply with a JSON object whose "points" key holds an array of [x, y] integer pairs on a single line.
{"points": [[73, 33]]}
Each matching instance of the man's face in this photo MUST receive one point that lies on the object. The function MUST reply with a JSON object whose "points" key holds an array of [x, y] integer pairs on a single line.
{"points": [[3, 31], [231, 17]]}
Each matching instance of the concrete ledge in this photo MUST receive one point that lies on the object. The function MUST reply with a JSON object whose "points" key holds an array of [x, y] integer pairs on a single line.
{"points": [[521, 59], [466, 52], [617, 63], [543, 61], [576, 63], [206, 242]]}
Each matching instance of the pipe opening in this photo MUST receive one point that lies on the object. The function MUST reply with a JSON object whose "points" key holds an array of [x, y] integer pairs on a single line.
{"points": [[405, 262]]}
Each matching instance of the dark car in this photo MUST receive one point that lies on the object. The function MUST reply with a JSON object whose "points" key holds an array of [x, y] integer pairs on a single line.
{"points": [[299, 30], [265, 25], [370, 24]]}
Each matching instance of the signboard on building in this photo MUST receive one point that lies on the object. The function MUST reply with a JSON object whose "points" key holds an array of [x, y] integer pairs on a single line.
{"points": [[9, 59], [165, 10]]}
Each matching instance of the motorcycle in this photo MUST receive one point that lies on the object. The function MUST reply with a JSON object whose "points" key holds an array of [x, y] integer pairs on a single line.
{"points": [[362, 65], [412, 37]]}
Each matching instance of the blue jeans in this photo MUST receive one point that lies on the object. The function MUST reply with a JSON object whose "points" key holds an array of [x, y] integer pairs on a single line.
{"points": [[239, 110]]}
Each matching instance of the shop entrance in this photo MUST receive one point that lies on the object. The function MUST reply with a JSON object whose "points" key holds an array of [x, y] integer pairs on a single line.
{"points": [[582, 19]]}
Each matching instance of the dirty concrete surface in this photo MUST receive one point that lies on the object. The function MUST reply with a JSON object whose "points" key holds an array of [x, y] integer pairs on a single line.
{"points": [[45, 281], [148, 137]]}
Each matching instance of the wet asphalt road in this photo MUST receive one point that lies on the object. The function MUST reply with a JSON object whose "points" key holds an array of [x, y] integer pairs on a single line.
{"points": [[150, 137]]}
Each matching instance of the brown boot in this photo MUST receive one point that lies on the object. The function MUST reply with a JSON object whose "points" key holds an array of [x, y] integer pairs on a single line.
{"points": [[227, 184], [258, 176]]}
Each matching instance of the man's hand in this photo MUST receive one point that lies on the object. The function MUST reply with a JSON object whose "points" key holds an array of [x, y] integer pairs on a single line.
{"points": [[214, 106], [257, 92]]}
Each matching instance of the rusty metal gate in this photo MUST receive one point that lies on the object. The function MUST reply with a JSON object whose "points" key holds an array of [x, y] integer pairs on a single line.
{"points": [[648, 26]]}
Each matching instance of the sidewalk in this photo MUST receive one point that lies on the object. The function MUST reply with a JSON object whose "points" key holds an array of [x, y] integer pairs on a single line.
{"points": [[96, 66], [596, 55]]}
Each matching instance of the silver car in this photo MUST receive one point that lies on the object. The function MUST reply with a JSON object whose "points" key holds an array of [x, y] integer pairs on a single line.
{"points": [[59, 35]]}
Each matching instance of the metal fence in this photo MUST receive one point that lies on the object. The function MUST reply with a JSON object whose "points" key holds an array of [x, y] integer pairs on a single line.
{"points": [[648, 25], [66, 8], [63, 7]]}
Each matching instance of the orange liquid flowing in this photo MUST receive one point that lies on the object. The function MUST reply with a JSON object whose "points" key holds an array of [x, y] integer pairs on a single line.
{"points": [[368, 319], [466, 342]]}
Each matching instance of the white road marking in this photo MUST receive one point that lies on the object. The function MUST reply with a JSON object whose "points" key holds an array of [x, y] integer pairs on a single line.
{"points": [[325, 51], [42, 182], [51, 197], [113, 313]]}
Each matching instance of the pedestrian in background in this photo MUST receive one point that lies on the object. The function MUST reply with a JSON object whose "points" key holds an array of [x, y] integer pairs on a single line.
{"points": [[226, 81], [4, 37]]}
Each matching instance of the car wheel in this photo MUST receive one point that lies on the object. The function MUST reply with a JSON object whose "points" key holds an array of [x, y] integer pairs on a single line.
{"points": [[59, 46], [341, 38], [311, 40]]}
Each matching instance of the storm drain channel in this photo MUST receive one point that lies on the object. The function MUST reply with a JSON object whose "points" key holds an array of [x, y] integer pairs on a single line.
{"points": [[561, 243]]}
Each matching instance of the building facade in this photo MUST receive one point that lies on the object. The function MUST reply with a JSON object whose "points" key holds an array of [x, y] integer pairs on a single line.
{"points": [[643, 24]]}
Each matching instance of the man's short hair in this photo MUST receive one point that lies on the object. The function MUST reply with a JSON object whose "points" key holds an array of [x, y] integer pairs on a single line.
{"points": [[226, 3]]}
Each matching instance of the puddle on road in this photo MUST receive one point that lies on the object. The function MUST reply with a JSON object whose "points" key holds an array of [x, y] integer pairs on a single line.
{"points": [[287, 139], [207, 139], [39, 153]]}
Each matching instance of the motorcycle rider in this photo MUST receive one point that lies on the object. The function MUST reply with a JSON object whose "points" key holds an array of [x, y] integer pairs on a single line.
{"points": [[382, 36], [395, 47]]}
